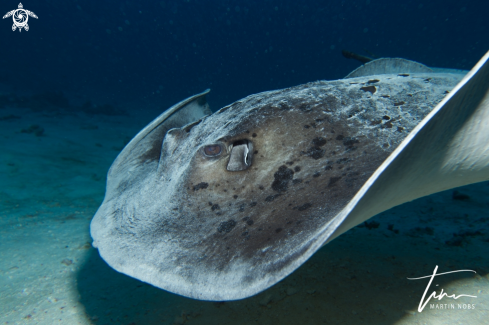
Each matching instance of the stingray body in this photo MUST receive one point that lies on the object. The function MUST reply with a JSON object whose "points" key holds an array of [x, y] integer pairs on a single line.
{"points": [[222, 206]]}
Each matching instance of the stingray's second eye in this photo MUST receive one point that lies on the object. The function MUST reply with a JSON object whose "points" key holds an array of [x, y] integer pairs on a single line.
{"points": [[213, 150]]}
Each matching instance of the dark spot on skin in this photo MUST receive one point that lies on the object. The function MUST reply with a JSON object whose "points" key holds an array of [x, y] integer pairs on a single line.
{"points": [[333, 181], [319, 141], [210, 203], [252, 204], [446, 92], [244, 234], [387, 125], [376, 122], [342, 160], [370, 89], [373, 81], [349, 142], [385, 117], [270, 198], [296, 181], [261, 187], [340, 137], [249, 222], [306, 126], [297, 169], [385, 96], [226, 226], [385, 145], [304, 207], [256, 151], [235, 197], [316, 174], [314, 153], [201, 186], [278, 230], [403, 75], [215, 207], [254, 135], [290, 163], [328, 168], [427, 80], [282, 178], [241, 208], [399, 103], [400, 128]]}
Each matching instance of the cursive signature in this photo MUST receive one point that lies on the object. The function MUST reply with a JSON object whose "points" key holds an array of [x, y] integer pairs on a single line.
{"points": [[442, 294]]}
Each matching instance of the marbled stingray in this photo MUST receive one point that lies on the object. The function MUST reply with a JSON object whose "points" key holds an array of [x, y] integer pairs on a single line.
{"points": [[223, 206]]}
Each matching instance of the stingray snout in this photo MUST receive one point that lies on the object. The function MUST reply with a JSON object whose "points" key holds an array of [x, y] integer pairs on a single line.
{"points": [[241, 155]]}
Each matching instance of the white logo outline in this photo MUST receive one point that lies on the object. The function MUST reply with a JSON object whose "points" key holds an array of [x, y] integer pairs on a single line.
{"points": [[20, 17], [442, 294]]}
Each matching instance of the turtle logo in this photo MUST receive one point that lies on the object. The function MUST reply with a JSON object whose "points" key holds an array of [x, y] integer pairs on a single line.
{"points": [[20, 17]]}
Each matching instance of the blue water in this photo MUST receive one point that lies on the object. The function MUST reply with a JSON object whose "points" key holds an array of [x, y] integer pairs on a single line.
{"points": [[166, 50]]}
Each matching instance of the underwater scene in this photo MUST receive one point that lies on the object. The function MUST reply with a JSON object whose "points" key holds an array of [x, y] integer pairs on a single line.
{"points": [[244, 162]]}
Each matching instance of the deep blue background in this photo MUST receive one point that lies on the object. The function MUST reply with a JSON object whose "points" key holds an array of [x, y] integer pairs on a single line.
{"points": [[167, 50]]}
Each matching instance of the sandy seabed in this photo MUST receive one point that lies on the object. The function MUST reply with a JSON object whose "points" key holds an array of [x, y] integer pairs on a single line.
{"points": [[53, 181]]}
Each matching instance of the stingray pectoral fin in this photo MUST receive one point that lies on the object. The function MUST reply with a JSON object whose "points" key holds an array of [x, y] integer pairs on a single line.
{"points": [[449, 148], [388, 66], [142, 153]]}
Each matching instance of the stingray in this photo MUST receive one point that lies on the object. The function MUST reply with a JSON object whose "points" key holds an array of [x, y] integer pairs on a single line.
{"points": [[222, 206]]}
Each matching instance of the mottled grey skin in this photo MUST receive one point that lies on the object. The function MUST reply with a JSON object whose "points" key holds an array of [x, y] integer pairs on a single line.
{"points": [[180, 221]]}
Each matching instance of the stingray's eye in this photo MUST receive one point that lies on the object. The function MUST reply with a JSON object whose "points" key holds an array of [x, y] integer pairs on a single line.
{"points": [[212, 150]]}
